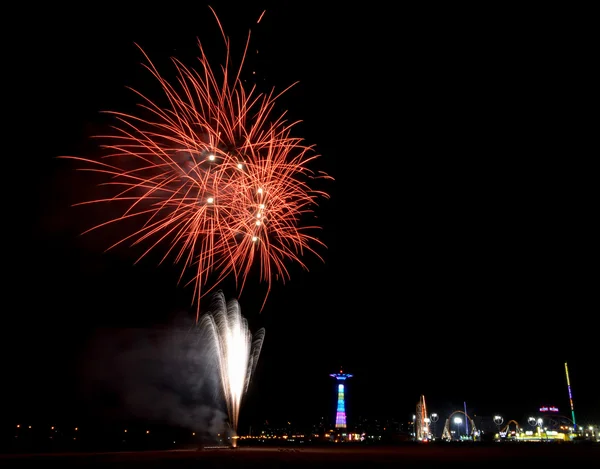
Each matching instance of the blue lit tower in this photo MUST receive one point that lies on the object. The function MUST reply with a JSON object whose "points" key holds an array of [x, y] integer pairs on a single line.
{"points": [[340, 415]]}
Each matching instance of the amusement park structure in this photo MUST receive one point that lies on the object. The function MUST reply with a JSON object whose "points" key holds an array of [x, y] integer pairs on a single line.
{"points": [[555, 428], [340, 416], [512, 427], [570, 395], [470, 429], [422, 432]]}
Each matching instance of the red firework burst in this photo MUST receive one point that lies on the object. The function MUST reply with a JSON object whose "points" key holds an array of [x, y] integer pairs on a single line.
{"points": [[213, 176]]}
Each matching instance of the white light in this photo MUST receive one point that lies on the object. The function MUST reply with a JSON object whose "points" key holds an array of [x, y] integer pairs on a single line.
{"points": [[240, 166], [211, 157], [254, 238], [260, 191], [210, 200]]}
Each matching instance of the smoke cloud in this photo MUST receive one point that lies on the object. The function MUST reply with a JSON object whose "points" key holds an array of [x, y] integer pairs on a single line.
{"points": [[163, 374]]}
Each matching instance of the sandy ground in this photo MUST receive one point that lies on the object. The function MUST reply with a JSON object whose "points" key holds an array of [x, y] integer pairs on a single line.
{"points": [[412, 456]]}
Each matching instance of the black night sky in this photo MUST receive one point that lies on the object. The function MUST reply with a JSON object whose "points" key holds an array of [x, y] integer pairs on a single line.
{"points": [[461, 243]]}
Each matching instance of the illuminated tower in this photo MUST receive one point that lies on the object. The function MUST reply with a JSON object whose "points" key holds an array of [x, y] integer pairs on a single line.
{"points": [[570, 396], [422, 421], [340, 415]]}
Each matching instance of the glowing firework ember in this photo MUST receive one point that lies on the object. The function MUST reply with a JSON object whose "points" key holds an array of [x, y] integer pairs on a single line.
{"points": [[237, 351], [213, 176]]}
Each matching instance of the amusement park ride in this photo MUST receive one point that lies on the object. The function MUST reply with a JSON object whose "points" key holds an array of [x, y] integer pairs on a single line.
{"points": [[424, 423], [549, 425], [471, 432]]}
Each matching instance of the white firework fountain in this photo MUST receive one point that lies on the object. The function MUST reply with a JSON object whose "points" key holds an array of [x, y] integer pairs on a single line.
{"points": [[236, 349]]}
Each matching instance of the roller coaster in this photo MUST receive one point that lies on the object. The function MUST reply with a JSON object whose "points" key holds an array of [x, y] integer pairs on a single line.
{"points": [[471, 429], [506, 430]]}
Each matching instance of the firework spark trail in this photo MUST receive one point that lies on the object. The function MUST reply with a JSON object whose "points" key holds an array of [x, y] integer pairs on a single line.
{"points": [[236, 349], [214, 176]]}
